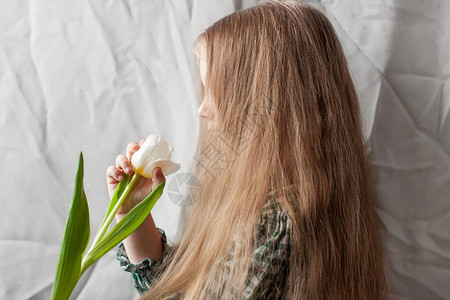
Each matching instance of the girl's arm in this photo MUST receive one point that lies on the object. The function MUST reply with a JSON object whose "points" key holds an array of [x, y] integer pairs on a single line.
{"points": [[144, 274], [144, 242]]}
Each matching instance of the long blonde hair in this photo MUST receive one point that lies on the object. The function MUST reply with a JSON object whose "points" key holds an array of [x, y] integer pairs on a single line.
{"points": [[289, 117]]}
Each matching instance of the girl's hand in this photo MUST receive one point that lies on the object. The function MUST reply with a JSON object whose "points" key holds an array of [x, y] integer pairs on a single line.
{"points": [[143, 186]]}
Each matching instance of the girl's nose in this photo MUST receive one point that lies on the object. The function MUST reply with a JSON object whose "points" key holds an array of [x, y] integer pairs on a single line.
{"points": [[202, 111]]}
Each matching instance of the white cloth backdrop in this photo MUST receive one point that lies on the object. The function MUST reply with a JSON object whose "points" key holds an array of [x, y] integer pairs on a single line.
{"points": [[92, 76]]}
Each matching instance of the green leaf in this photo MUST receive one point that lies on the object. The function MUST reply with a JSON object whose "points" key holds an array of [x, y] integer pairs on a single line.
{"points": [[74, 242], [117, 193], [124, 228]]}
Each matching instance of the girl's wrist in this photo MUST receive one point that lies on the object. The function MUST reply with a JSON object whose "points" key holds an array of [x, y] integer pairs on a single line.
{"points": [[120, 216]]}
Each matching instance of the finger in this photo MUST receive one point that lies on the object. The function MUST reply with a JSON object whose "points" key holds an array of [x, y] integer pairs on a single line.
{"points": [[158, 177], [141, 142], [113, 175], [123, 164], [131, 149]]}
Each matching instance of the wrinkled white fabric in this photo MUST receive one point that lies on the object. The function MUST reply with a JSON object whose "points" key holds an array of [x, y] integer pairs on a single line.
{"points": [[93, 76]]}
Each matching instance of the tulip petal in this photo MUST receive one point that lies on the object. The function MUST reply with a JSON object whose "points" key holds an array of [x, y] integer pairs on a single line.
{"points": [[162, 150], [167, 167], [152, 149], [154, 152], [155, 147]]}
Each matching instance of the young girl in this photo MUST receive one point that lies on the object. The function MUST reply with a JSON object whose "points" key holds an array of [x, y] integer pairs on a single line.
{"points": [[286, 207]]}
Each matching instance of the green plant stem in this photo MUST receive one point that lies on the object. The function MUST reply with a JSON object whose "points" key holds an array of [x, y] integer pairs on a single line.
{"points": [[108, 221]]}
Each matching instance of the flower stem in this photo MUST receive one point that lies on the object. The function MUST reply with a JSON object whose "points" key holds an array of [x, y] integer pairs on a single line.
{"points": [[108, 221]]}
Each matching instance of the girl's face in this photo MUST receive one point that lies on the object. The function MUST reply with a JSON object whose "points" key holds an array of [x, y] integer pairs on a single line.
{"points": [[207, 109]]}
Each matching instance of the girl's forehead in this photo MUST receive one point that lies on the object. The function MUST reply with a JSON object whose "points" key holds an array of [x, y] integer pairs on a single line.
{"points": [[202, 62], [200, 48]]}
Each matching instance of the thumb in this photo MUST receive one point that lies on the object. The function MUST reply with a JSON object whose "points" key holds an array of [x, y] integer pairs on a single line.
{"points": [[158, 177]]}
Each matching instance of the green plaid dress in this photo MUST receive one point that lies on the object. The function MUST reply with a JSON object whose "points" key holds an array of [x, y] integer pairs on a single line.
{"points": [[270, 260]]}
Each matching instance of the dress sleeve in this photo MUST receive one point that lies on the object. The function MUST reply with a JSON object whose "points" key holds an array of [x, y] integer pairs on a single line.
{"points": [[145, 273], [269, 261]]}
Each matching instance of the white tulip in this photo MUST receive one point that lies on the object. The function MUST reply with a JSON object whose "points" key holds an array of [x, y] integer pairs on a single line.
{"points": [[154, 152]]}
